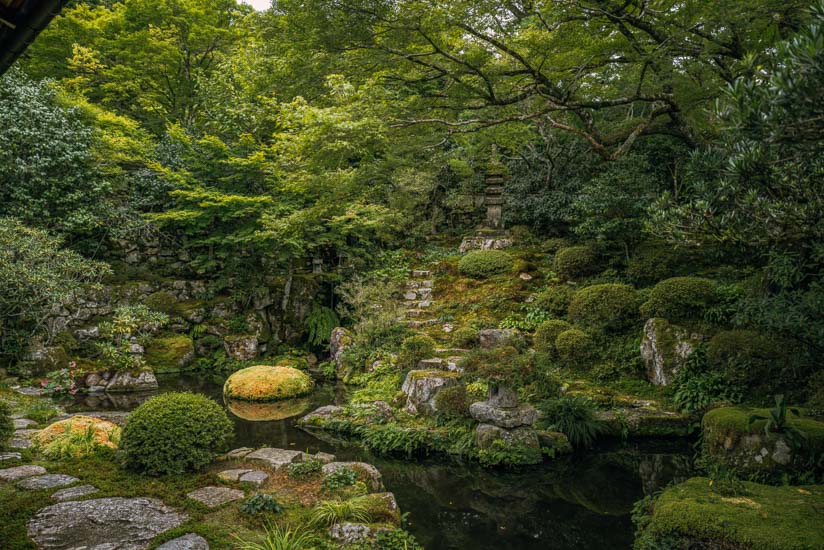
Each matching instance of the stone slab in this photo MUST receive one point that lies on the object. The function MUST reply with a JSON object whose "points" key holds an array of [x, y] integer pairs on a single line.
{"points": [[21, 472], [23, 423], [232, 475], [255, 477], [215, 496], [47, 481], [191, 541], [74, 493], [277, 458], [10, 456], [20, 443]]}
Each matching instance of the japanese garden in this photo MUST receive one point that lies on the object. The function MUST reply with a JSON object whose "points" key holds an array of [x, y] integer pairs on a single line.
{"points": [[399, 275]]}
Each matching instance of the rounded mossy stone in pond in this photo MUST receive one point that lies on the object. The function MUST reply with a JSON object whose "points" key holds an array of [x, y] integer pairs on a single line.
{"points": [[170, 354], [264, 412], [485, 263], [267, 383], [729, 439], [701, 513]]}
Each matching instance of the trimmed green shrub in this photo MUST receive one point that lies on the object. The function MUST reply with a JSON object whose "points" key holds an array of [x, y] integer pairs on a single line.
{"points": [[452, 403], [609, 306], [746, 357], [175, 433], [6, 424], [575, 261], [680, 298], [546, 334], [481, 264], [415, 348], [652, 262], [555, 300], [465, 337], [554, 245], [574, 346]]}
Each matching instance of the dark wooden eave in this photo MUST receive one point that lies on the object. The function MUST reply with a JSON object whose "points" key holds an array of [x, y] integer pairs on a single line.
{"points": [[20, 23]]}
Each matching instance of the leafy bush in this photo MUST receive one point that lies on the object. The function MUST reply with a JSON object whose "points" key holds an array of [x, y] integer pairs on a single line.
{"points": [[452, 403], [304, 470], [652, 262], [746, 357], [320, 322], [6, 424], [604, 307], [498, 365], [278, 538], [575, 418], [342, 477], [481, 264], [546, 334], [331, 512], [256, 504], [680, 298], [528, 321], [130, 321], [415, 348], [574, 347], [815, 399], [575, 261], [696, 387], [555, 299], [465, 337], [175, 433]]}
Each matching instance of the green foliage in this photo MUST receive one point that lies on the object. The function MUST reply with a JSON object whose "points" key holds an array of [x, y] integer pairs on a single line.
{"points": [[747, 358], [500, 365], [304, 470], [481, 264], [75, 444], [575, 418], [696, 386], [607, 307], [415, 348], [464, 337], [260, 502], [555, 299], [320, 322], [527, 322], [575, 262], [452, 403], [175, 433], [574, 347], [331, 512], [6, 424], [680, 299], [777, 421], [546, 334], [127, 322], [342, 477], [651, 262], [278, 538], [501, 453]]}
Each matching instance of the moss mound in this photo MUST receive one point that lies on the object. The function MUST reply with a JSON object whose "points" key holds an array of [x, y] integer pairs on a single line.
{"points": [[574, 346], [546, 334], [78, 435], [266, 383], [746, 357], [575, 261], [555, 299], [680, 298], [481, 264], [170, 354], [693, 515], [264, 412], [604, 307]]}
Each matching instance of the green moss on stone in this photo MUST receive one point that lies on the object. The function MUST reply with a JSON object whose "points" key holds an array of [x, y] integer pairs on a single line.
{"points": [[170, 353]]}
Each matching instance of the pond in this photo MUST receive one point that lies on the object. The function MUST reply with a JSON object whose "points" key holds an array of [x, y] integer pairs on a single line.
{"points": [[579, 502]]}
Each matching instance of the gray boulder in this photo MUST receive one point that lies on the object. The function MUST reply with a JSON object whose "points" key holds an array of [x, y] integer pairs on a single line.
{"points": [[496, 337], [665, 348], [241, 347], [486, 413], [338, 342], [186, 542], [277, 458], [421, 387], [129, 382]]}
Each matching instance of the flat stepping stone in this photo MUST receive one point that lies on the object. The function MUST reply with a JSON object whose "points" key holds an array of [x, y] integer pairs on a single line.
{"points": [[23, 423], [419, 324], [255, 477], [191, 541], [74, 493], [414, 312], [215, 496], [326, 458], [277, 458], [28, 434], [20, 443], [421, 273], [10, 456], [238, 453], [36, 392], [47, 481], [21, 472], [432, 363], [103, 523], [232, 475]]}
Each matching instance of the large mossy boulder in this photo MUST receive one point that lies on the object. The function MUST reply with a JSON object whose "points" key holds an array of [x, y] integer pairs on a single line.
{"points": [[77, 436], [170, 353], [731, 441], [267, 383], [422, 386], [701, 514], [481, 264], [665, 348]]}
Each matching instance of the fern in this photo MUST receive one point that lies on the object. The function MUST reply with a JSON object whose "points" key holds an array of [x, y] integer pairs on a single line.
{"points": [[320, 322]]}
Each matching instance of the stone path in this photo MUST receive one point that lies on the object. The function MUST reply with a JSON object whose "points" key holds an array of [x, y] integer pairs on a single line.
{"points": [[191, 541], [276, 458], [213, 497], [46, 481], [74, 493], [418, 299]]}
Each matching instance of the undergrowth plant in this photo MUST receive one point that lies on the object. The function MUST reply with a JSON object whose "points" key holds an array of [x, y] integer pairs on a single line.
{"points": [[575, 418], [256, 504], [279, 538], [331, 512], [342, 477]]}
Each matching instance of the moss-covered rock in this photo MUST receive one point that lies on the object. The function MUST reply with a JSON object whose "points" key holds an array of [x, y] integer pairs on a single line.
{"points": [[730, 440], [266, 412], [381, 508], [665, 348], [644, 422], [575, 261], [170, 353], [696, 515], [481, 264], [77, 436], [747, 357], [604, 307], [680, 298], [266, 383], [574, 347]]}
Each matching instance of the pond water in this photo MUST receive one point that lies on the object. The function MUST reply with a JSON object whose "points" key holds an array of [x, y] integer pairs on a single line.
{"points": [[578, 502]]}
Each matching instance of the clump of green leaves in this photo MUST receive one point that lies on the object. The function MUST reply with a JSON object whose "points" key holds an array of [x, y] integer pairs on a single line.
{"points": [[6, 424], [278, 538], [574, 417], [320, 322], [129, 322], [342, 477], [696, 387], [261, 503], [778, 421], [304, 470], [331, 512]]}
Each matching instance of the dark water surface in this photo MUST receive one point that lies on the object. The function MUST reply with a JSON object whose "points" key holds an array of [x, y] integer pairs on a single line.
{"points": [[582, 502]]}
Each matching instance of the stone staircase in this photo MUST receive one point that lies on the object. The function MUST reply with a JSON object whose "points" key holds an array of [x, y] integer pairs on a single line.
{"points": [[418, 299]]}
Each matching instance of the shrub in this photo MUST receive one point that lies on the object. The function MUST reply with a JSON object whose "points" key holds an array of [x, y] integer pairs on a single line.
{"points": [[6, 424], [174, 433], [481, 264], [745, 357], [304, 470], [546, 334], [815, 400], [502, 365], [342, 477], [574, 346], [260, 503], [575, 261], [680, 298], [575, 418], [331, 512], [555, 300], [452, 403], [465, 337], [278, 538], [652, 262], [415, 348], [604, 307]]}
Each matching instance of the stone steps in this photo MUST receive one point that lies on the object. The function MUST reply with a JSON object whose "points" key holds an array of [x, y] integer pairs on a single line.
{"points": [[421, 324]]}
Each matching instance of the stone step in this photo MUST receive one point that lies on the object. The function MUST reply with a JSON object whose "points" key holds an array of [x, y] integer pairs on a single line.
{"points": [[10, 456], [494, 190], [212, 497], [417, 294], [451, 351], [432, 363], [419, 284], [414, 312], [46, 481], [421, 273], [421, 324], [74, 493], [423, 304], [21, 472], [23, 423]]}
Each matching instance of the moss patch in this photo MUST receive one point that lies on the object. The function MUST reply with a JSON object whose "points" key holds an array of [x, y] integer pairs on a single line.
{"points": [[761, 517], [266, 383], [170, 354]]}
